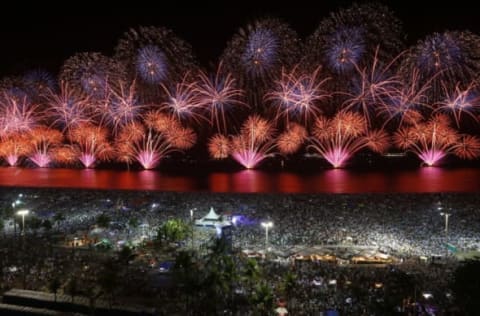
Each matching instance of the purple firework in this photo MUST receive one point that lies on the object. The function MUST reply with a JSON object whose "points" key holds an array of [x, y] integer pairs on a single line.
{"points": [[346, 49], [151, 64], [38, 83], [260, 52], [347, 37], [446, 59], [92, 73], [154, 53], [256, 54]]}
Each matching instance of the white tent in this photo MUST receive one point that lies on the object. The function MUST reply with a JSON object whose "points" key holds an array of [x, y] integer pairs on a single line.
{"points": [[212, 219]]}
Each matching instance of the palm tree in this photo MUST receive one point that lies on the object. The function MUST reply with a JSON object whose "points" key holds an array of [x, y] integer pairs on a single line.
{"points": [[132, 224], [2, 225], [289, 285], [108, 280], [262, 299], [47, 225], [188, 276], [103, 220], [466, 286], [54, 285], [58, 218], [72, 287]]}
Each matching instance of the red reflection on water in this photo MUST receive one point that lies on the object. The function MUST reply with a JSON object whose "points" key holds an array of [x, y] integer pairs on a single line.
{"points": [[330, 181], [290, 182], [220, 182], [251, 181]]}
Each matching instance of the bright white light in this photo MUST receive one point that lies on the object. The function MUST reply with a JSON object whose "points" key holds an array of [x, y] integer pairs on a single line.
{"points": [[267, 224], [427, 295], [23, 212]]}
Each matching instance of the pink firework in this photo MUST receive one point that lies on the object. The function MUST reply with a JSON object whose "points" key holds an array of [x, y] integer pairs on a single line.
{"points": [[458, 102], [219, 96], [183, 102], [13, 147], [298, 95], [292, 139], [248, 152], [44, 140], [433, 140], [17, 115], [150, 150], [255, 142], [68, 108], [121, 107], [375, 86], [219, 146], [405, 104], [339, 138], [147, 148], [91, 141]]}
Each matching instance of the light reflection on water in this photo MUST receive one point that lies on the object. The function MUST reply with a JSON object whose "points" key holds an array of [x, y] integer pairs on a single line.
{"points": [[251, 181]]}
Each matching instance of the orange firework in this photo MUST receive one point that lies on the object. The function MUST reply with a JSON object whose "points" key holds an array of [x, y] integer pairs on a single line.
{"points": [[13, 147], [257, 129], [434, 139], [64, 155], [219, 146], [92, 143], [43, 140], [339, 138], [161, 122], [183, 138], [290, 141]]}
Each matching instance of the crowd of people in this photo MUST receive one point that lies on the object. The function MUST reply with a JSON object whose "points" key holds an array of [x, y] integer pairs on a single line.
{"points": [[406, 226]]}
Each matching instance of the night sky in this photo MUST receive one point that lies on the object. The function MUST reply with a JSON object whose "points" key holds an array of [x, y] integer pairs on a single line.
{"points": [[38, 37]]}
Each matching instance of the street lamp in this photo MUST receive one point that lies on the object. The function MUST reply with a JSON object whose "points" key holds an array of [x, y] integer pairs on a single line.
{"points": [[446, 215], [266, 225], [23, 213], [193, 226], [14, 206]]}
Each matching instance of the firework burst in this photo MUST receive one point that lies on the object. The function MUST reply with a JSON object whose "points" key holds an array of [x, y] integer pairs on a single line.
{"points": [[91, 143], [449, 58], [298, 95], [255, 142], [38, 83], [458, 102], [339, 138], [291, 140], [17, 114], [347, 37], [44, 141], [434, 139], [257, 53], [92, 73], [406, 103], [374, 88], [13, 147], [219, 146], [219, 95], [68, 108], [183, 102], [153, 55], [120, 108]]}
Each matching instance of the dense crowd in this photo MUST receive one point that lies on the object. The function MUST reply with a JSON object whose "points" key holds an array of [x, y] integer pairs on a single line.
{"points": [[404, 225]]}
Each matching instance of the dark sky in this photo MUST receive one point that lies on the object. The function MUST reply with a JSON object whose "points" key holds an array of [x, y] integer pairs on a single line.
{"points": [[39, 36]]}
